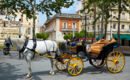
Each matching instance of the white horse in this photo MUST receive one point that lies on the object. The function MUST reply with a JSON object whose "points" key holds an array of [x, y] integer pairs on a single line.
{"points": [[43, 47]]}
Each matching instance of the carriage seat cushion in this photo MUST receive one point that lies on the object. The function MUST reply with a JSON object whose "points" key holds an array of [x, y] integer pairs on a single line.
{"points": [[97, 46], [75, 43]]}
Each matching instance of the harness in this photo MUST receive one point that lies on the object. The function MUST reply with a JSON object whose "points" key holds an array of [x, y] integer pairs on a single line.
{"points": [[47, 49], [24, 46], [34, 47]]}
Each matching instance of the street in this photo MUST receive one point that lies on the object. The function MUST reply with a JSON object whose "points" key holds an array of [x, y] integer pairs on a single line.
{"points": [[11, 68]]}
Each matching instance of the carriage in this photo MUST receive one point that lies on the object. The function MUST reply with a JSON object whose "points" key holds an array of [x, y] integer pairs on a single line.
{"points": [[98, 54]]}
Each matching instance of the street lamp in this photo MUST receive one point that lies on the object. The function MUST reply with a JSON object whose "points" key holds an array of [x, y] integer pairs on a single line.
{"points": [[73, 25], [85, 26], [19, 28]]}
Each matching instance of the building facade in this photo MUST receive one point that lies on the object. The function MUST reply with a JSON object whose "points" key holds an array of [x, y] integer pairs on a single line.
{"points": [[9, 25], [112, 23], [61, 24]]}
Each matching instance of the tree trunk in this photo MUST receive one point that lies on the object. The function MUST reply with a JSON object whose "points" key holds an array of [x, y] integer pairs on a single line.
{"points": [[119, 15], [94, 25], [105, 35], [85, 27], [102, 23], [34, 18]]}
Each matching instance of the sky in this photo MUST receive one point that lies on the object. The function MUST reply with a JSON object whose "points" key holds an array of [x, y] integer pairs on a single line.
{"points": [[72, 10]]}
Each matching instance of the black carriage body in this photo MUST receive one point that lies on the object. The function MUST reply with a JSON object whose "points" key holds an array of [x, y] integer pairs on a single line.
{"points": [[107, 49], [81, 51]]}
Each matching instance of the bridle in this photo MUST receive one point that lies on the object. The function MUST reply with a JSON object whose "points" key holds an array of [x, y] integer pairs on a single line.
{"points": [[7, 44]]}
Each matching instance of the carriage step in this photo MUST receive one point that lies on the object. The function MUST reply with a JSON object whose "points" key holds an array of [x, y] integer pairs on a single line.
{"points": [[91, 57]]}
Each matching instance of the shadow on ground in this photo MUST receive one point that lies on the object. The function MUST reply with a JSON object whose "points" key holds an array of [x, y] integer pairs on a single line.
{"points": [[89, 70], [10, 72]]}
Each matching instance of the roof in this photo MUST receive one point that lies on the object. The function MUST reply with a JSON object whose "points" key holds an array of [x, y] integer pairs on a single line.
{"points": [[64, 15]]}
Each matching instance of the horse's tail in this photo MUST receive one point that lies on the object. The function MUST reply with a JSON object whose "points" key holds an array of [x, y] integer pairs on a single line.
{"points": [[58, 51]]}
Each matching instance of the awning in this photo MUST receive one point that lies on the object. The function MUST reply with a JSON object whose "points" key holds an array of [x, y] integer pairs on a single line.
{"points": [[99, 37], [122, 36]]}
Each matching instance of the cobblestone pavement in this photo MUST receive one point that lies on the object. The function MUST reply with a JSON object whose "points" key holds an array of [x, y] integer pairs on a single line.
{"points": [[11, 68]]}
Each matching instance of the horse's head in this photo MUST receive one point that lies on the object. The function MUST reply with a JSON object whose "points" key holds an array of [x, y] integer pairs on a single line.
{"points": [[7, 46]]}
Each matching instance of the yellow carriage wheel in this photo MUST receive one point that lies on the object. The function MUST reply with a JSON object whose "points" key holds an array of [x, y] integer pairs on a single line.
{"points": [[75, 66], [115, 61], [61, 66]]}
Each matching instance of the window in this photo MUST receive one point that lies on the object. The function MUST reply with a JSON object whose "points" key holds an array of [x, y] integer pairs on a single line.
{"points": [[123, 14], [64, 25], [29, 31], [29, 23], [129, 27], [129, 15], [123, 27], [114, 26], [74, 25], [98, 27], [114, 16], [114, 12]]}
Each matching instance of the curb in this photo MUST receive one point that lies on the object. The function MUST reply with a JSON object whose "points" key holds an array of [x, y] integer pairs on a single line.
{"points": [[127, 54]]}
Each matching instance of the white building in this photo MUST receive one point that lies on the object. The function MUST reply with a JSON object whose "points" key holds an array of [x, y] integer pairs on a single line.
{"points": [[9, 25]]}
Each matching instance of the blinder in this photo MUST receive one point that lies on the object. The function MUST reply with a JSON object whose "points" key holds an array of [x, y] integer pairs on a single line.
{"points": [[7, 46]]}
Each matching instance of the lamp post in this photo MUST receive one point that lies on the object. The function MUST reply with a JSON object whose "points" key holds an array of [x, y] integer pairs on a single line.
{"points": [[19, 28], [85, 26], [73, 25], [111, 26]]}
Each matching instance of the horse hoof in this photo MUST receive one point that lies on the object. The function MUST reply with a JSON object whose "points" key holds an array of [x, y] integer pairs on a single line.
{"points": [[28, 76], [52, 73]]}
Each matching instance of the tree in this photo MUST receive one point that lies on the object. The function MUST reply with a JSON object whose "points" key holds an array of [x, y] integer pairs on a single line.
{"points": [[30, 7], [80, 34], [103, 6], [43, 36], [122, 6]]}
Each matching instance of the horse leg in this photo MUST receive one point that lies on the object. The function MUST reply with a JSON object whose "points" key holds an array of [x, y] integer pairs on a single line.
{"points": [[52, 67], [19, 55], [52, 63], [28, 60]]}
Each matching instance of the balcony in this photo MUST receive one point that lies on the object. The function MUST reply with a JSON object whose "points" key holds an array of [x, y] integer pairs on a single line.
{"points": [[123, 18], [68, 29]]}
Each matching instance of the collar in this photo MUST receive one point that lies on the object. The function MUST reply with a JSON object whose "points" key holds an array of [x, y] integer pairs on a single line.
{"points": [[24, 46], [10, 41]]}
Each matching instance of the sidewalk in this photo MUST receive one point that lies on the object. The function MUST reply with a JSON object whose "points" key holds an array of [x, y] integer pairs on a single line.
{"points": [[124, 49]]}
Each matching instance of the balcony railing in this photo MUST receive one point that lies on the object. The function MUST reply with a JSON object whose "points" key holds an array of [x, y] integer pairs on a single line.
{"points": [[123, 18], [68, 29]]}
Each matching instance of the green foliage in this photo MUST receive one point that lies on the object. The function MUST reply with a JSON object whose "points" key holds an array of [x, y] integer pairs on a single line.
{"points": [[68, 36], [80, 34], [43, 36], [27, 6]]}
